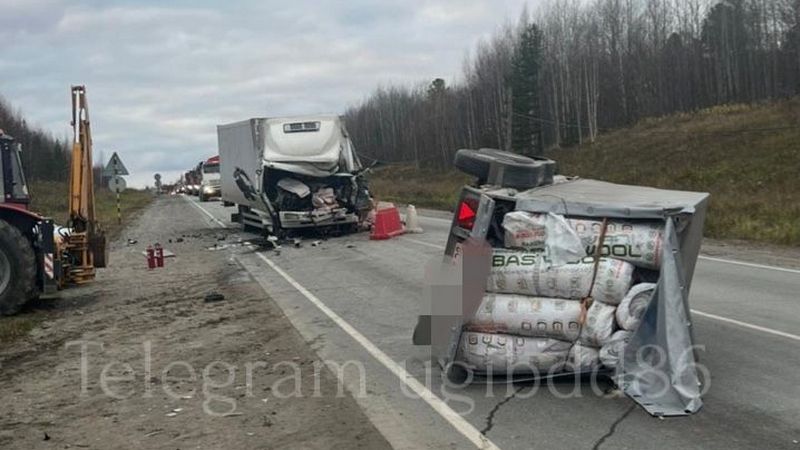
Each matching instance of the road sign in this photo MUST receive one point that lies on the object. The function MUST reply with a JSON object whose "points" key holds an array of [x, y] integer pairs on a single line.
{"points": [[117, 184], [157, 177], [115, 167]]}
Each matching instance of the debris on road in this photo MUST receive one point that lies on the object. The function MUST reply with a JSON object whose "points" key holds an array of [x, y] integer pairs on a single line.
{"points": [[214, 297], [412, 220]]}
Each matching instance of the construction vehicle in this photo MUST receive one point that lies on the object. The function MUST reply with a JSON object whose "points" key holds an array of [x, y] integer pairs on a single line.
{"points": [[36, 257]]}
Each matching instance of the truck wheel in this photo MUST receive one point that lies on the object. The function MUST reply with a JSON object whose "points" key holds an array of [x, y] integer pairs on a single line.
{"points": [[504, 168], [17, 269]]}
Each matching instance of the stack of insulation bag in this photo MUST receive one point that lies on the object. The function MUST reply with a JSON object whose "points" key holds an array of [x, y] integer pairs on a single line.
{"points": [[529, 321]]}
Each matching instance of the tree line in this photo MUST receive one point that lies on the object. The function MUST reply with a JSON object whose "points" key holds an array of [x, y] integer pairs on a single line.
{"points": [[576, 68], [43, 156]]}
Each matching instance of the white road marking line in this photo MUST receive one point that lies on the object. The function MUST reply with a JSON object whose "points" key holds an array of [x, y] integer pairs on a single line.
{"points": [[694, 311], [747, 325], [204, 211], [428, 244], [458, 422], [747, 264]]}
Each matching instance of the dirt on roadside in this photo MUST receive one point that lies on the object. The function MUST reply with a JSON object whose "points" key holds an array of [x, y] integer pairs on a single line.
{"points": [[147, 359]]}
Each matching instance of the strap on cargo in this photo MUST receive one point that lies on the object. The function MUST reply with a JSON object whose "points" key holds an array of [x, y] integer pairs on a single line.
{"points": [[587, 301]]}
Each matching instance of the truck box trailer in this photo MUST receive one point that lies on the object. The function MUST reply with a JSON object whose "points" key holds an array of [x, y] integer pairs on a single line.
{"points": [[292, 173]]}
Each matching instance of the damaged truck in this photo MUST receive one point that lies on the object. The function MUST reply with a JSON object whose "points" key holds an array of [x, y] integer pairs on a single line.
{"points": [[290, 174]]}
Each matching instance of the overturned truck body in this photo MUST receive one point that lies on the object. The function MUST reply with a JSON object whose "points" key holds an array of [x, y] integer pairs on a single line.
{"points": [[571, 276], [292, 173]]}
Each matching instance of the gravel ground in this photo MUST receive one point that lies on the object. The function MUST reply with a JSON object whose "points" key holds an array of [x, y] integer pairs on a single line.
{"points": [[140, 358]]}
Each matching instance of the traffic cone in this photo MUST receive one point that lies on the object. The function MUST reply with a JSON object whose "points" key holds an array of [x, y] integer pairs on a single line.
{"points": [[387, 223], [412, 221]]}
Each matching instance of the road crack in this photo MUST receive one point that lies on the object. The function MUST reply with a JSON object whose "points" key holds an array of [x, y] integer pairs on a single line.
{"points": [[490, 417], [613, 428]]}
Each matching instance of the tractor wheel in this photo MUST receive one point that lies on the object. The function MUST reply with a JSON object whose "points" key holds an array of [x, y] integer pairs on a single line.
{"points": [[17, 269]]}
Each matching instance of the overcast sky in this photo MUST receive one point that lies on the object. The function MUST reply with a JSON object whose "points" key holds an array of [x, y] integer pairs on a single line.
{"points": [[161, 75]]}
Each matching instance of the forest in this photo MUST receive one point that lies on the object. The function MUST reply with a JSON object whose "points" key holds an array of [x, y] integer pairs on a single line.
{"points": [[573, 69], [43, 156]]}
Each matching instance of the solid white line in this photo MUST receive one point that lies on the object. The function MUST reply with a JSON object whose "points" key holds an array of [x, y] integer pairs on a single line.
{"points": [[747, 264], [428, 244], [204, 211], [458, 422], [747, 325]]}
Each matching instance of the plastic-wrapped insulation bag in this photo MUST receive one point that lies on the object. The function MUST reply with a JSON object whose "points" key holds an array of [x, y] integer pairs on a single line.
{"points": [[639, 243], [611, 352], [599, 325], [582, 358], [523, 315], [502, 353], [530, 273], [548, 232], [633, 306]]}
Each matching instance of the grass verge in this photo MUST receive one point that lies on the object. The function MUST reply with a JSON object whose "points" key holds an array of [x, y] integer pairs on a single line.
{"points": [[50, 199]]}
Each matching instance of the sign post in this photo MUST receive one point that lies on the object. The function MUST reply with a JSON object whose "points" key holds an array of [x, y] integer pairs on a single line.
{"points": [[115, 169]]}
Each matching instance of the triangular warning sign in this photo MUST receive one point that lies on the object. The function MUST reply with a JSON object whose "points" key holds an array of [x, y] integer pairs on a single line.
{"points": [[115, 166]]}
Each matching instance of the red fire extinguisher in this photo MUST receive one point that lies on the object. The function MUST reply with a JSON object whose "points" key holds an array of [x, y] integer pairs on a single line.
{"points": [[159, 255], [151, 258]]}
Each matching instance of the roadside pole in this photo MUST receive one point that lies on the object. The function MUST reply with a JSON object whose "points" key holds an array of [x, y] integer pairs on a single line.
{"points": [[119, 209]]}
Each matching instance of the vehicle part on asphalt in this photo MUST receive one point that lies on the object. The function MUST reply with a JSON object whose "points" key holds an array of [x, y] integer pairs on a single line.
{"points": [[531, 273], [214, 297], [633, 306]]}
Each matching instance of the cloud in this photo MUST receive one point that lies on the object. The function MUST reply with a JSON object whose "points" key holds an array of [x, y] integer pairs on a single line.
{"points": [[160, 76]]}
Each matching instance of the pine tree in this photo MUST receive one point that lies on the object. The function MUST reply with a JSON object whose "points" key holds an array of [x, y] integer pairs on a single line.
{"points": [[526, 130]]}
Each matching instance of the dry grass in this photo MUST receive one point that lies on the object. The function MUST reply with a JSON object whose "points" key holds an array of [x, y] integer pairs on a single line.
{"points": [[753, 177], [51, 199], [424, 188]]}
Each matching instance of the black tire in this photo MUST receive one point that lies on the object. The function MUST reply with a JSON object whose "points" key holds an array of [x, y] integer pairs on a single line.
{"points": [[505, 169], [17, 269]]}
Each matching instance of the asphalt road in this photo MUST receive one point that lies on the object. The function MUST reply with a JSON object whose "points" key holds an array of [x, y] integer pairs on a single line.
{"points": [[357, 300]]}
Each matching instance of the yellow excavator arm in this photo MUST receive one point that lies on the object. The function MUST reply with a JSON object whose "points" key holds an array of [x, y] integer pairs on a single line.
{"points": [[81, 181], [86, 244]]}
